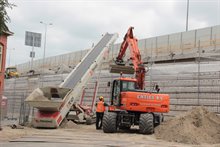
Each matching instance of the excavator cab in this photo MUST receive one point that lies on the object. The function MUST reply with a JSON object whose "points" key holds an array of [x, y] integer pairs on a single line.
{"points": [[116, 90], [121, 85]]}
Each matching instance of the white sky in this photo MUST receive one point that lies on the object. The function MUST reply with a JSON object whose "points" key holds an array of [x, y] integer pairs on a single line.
{"points": [[77, 24]]}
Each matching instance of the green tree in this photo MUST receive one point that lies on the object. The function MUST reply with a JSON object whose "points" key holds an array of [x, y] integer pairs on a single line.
{"points": [[4, 18]]}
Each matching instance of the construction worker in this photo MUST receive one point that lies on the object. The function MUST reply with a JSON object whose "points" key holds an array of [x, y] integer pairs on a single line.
{"points": [[100, 109]]}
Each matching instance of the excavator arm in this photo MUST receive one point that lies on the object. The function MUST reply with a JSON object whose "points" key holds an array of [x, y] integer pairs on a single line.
{"points": [[139, 69]]}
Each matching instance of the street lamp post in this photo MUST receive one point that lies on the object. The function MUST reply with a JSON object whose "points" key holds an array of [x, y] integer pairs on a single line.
{"points": [[187, 15], [45, 40]]}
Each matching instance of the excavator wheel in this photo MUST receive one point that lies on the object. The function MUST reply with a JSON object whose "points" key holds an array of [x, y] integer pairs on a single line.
{"points": [[109, 122], [146, 123]]}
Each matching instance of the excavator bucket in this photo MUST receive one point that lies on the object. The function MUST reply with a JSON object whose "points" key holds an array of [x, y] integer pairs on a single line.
{"points": [[114, 68]]}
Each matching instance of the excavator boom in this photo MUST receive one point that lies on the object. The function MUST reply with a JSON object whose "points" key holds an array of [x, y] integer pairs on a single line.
{"points": [[135, 56]]}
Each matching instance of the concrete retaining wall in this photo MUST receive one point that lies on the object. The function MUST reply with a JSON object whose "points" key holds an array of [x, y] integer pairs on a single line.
{"points": [[189, 84], [186, 90], [168, 47]]}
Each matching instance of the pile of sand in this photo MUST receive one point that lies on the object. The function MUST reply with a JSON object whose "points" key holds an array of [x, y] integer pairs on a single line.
{"points": [[69, 125], [8, 133], [197, 126]]}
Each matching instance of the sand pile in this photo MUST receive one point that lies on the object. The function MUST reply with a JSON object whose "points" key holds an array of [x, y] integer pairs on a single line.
{"points": [[69, 125], [197, 126], [9, 134]]}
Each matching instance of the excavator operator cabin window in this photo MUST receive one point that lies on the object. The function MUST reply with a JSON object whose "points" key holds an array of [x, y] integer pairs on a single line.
{"points": [[128, 86], [1, 49], [116, 93]]}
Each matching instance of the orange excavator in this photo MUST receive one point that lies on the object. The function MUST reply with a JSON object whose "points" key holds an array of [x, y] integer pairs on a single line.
{"points": [[130, 103]]}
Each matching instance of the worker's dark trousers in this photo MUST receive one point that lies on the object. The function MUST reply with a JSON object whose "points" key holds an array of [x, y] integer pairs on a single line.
{"points": [[99, 117]]}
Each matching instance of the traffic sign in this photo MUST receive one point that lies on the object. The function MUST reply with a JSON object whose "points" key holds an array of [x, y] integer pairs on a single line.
{"points": [[33, 39]]}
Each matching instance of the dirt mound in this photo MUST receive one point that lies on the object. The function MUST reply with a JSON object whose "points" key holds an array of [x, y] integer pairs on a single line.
{"points": [[69, 125], [197, 126]]}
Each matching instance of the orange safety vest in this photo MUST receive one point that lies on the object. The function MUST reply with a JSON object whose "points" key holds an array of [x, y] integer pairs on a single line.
{"points": [[100, 107]]}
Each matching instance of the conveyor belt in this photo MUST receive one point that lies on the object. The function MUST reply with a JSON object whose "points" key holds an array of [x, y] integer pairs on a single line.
{"points": [[54, 103], [75, 76]]}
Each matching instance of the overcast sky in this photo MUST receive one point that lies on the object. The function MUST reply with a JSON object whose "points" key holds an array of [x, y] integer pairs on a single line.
{"points": [[77, 24]]}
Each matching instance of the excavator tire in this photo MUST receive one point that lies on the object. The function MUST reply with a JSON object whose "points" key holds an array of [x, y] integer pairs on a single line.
{"points": [[146, 123], [109, 122]]}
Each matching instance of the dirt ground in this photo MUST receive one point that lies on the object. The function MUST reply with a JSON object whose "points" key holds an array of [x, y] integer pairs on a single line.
{"points": [[82, 135], [197, 127]]}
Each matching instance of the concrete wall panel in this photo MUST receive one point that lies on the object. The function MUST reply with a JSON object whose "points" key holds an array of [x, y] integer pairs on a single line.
{"points": [[188, 41], [175, 43]]}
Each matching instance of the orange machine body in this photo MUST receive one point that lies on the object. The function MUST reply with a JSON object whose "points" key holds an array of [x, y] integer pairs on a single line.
{"points": [[141, 101], [130, 103]]}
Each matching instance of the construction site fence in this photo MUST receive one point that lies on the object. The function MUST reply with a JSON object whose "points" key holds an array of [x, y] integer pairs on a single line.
{"points": [[186, 86], [194, 81]]}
